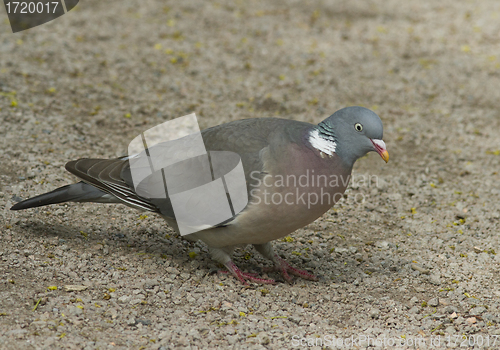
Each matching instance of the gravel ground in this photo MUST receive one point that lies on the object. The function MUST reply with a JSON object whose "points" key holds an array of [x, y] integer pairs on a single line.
{"points": [[411, 254]]}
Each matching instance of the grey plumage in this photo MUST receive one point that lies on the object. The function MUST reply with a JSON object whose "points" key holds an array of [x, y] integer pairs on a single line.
{"points": [[268, 147], [79, 192]]}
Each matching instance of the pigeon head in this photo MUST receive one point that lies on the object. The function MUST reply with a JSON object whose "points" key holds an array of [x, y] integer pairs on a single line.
{"points": [[351, 133]]}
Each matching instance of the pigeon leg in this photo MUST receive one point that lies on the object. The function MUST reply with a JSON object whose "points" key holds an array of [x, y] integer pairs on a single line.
{"points": [[223, 256], [242, 276], [281, 265]]}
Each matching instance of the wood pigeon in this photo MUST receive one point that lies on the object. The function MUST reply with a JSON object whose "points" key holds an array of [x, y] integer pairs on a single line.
{"points": [[294, 172]]}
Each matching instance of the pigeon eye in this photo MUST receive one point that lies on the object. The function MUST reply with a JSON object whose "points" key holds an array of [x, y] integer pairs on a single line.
{"points": [[358, 127]]}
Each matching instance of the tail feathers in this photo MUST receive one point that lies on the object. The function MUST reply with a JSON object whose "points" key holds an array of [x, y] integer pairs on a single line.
{"points": [[79, 192]]}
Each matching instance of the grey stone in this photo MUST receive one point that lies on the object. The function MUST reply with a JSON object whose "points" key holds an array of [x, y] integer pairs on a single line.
{"points": [[476, 311], [434, 302]]}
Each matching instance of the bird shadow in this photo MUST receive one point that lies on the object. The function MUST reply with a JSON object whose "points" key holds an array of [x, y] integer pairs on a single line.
{"points": [[172, 251]]}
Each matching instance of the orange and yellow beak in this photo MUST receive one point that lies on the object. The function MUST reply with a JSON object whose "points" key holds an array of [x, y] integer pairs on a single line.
{"points": [[381, 149]]}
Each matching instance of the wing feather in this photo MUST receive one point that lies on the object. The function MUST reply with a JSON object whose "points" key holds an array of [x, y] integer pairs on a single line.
{"points": [[101, 173]]}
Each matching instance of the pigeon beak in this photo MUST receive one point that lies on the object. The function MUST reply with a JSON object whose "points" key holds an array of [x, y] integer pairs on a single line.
{"points": [[380, 148]]}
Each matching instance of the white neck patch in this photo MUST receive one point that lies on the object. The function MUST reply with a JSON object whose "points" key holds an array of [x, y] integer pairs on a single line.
{"points": [[321, 144]]}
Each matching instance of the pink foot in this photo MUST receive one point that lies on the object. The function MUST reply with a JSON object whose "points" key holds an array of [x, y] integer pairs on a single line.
{"points": [[242, 276], [284, 267]]}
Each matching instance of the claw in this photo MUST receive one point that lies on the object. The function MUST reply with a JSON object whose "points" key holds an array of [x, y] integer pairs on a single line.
{"points": [[285, 267], [281, 266], [243, 276]]}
